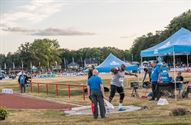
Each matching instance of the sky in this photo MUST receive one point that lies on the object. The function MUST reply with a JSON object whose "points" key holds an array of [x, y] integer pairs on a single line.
{"points": [[84, 23]]}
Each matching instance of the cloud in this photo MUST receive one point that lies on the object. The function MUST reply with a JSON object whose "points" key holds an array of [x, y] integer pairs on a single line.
{"points": [[33, 12], [47, 32], [60, 32], [17, 29]]}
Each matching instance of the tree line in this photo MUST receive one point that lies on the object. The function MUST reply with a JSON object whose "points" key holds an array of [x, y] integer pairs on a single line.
{"points": [[45, 53]]}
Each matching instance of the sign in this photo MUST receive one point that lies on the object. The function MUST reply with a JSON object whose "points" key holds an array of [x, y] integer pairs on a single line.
{"points": [[114, 63], [162, 102], [7, 91]]}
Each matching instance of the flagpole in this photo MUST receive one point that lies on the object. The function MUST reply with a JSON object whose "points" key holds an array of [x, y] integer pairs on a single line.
{"points": [[22, 64]]}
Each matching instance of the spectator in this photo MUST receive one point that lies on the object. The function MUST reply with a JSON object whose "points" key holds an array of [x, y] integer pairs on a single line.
{"points": [[164, 75], [22, 81], [96, 94], [179, 80], [155, 79]]}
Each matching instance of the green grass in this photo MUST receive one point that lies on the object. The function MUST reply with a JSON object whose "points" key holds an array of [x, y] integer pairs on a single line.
{"points": [[154, 116]]}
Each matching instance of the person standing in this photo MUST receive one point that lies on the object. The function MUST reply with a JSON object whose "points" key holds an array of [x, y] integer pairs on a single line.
{"points": [[96, 94], [155, 79], [22, 82], [164, 73], [90, 71], [118, 75]]}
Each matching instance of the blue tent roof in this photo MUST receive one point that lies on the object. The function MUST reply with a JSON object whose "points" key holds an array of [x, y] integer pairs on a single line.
{"points": [[179, 42], [112, 61]]}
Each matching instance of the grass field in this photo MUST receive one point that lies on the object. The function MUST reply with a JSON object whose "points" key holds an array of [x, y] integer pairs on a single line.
{"points": [[152, 116]]}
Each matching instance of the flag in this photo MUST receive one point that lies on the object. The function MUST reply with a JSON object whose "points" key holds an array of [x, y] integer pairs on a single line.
{"points": [[31, 65], [5, 66], [22, 64], [13, 65]]}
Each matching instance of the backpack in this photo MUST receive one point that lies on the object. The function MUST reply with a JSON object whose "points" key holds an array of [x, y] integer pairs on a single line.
{"points": [[22, 79]]}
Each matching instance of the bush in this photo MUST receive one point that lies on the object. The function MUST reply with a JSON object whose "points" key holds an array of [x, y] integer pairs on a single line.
{"points": [[3, 113], [179, 112]]}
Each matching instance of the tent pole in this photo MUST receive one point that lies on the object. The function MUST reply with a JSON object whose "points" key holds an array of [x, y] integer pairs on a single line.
{"points": [[174, 62], [141, 66], [187, 62]]}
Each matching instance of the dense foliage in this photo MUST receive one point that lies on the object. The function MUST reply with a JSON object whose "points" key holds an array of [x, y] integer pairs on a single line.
{"points": [[46, 53], [3, 113], [92, 55], [41, 52]]}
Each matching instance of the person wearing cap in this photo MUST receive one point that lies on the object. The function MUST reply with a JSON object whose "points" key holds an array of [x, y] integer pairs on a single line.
{"points": [[96, 94], [155, 79], [118, 75]]}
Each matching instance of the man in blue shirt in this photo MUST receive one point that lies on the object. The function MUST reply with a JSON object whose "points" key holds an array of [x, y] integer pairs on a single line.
{"points": [[164, 75], [96, 93], [155, 78]]}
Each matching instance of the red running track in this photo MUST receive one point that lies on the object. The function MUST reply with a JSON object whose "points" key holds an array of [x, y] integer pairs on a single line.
{"points": [[16, 101]]}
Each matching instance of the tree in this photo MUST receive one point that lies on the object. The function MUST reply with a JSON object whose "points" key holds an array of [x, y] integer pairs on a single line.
{"points": [[2, 60], [45, 52], [25, 54], [42, 51], [96, 54]]}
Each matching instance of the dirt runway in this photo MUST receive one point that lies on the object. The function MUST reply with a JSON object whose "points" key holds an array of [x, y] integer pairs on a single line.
{"points": [[17, 101]]}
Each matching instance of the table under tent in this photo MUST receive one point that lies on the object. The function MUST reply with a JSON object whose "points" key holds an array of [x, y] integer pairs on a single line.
{"points": [[177, 44]]}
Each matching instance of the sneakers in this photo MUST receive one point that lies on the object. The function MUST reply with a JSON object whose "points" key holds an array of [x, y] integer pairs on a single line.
{"points": [[121, 109]]}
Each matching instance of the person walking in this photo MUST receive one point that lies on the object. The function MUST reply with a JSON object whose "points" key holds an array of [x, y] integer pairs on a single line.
{"points": [[155, 79], [96, 94], [118, 75], [22, 82]]}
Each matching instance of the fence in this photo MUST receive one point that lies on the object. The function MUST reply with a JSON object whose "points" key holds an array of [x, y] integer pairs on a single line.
{"points": [[39, 86]]}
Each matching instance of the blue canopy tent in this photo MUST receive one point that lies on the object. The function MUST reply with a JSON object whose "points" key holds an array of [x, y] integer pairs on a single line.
{"points": [[112, 61], [177, 44]]}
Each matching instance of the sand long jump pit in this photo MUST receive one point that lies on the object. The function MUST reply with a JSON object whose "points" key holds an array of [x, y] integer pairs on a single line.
{"points": [[18, 101]]}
